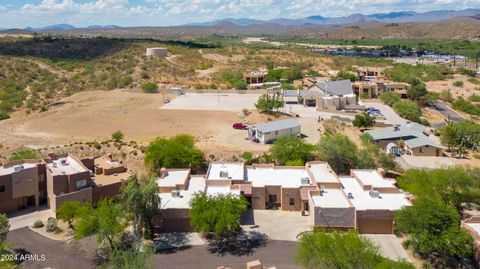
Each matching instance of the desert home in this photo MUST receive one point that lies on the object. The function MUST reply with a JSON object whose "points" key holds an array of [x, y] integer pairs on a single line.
{"points": [[374, 88], [254, 77], [411, 138], [22, 185], [367, 73], [268, 132], [58, 179], [365, 200], [326, 95]]}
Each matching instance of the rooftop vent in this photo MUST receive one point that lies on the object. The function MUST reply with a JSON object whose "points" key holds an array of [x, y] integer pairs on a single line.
{"points": [[305, 181], [64, 173], [17, 168], [350, 195], [224, 174], [374, 194], [175, 193], [396, 127]]}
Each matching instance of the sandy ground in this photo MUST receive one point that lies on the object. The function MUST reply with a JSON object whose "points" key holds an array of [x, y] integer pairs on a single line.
{"points": [[465, 91], [96, 115]]}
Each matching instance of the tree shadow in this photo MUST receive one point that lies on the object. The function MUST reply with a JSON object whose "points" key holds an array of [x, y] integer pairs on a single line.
{"points": [[248, 218], [166, 243], [242, 244]]}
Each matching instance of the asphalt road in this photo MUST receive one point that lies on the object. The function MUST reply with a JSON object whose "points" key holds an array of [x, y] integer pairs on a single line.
{"points": [[447, 112], [80, 254]]}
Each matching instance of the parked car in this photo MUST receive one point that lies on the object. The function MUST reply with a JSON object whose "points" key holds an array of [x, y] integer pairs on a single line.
{"points": [[239, 126]]}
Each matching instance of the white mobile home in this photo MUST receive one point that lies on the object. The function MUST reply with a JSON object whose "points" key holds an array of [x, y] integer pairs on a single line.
{"points": [[269, 131]]}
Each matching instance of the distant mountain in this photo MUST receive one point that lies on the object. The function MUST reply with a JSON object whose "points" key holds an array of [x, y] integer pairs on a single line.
{"points": [[52, 27], [397, 17], [103, 27]]}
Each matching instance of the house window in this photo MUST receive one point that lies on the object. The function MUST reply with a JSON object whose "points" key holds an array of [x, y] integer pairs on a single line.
{"points": [[272, 198], [292, 201], [81, 183], [420, 150], [276, 132], [2, 188]]}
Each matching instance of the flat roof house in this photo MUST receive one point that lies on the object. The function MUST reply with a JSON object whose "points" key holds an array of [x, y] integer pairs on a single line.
{"points": [[86, 180], [416, 141], [375, 88], [269, 131], [22, 185]]}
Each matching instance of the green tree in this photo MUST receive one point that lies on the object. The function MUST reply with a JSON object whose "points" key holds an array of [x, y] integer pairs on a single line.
{"points": [[408, 110], [218, 214], [292, 74], [338, 250], [363, 121], [136, 258], [339, 151], [345, 75], [26, 154], [4, 228], [417, 92], [460, 136], [434, 229], [291, 149], [390, 98], [68, 211], [140, 200], [107, 222], [267, 103], [453, 185], [176, 152], [149, 87], [117, 136], [240, 85]]}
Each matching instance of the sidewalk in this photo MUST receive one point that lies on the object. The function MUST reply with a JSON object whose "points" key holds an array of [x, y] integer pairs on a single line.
{"points": [[28, 217]]}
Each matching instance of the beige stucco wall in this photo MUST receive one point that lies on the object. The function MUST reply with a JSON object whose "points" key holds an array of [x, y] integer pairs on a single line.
{"points": [[426, 151], [25, 182]]}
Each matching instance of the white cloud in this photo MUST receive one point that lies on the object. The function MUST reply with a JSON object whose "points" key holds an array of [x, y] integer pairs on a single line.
{"points": [[175, 12]]}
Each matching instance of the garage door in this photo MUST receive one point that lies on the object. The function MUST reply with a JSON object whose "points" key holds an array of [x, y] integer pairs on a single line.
{"points": [[375, 226]]}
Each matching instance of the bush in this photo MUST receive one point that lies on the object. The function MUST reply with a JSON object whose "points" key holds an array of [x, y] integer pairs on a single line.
{"points": [[125, 81], [51, 225], [458, 83], [149, 87], [408, 110], [38, 224], [390, 98], [4, 115], [117, 136], [26, 154]]}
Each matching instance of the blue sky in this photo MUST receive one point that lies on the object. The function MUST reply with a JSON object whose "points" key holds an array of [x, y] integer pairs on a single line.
{"points": [[22, 13]]}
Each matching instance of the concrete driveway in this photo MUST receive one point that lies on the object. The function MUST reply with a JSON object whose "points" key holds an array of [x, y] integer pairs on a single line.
{"points": [[390, 246], [277, 224], [28, 217], [213, 101], [391, 116]]}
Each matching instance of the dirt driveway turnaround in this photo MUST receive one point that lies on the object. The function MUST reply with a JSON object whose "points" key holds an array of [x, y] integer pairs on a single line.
{"points": [[213, 101]]}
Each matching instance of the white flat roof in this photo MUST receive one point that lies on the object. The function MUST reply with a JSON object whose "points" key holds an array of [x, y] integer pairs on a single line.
{"points": [[322, 173], [225, 190], [474, 226], [334, 198], [373, 178], [269, 176], [10, 170], [363, 201], [197, 184], [173, 178], [69, 167], [234, 171]]}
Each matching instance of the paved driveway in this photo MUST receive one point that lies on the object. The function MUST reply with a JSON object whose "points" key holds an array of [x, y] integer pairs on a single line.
{"points": [[27, 218], [391, 116], [390, 246], [447, 112], [278, 224], [213, 101]]}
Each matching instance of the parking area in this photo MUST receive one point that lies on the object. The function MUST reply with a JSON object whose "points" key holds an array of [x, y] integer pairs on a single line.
{"points": [[390, 246], [27, 217], [391, 117], [213, 101], [277, 224]]}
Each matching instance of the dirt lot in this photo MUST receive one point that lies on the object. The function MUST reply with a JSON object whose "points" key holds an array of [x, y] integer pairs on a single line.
{"points": [[465, 91], [95, 115]]}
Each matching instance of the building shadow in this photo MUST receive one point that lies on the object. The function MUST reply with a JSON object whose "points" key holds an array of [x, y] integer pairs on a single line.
{"points": [[248, 218]]}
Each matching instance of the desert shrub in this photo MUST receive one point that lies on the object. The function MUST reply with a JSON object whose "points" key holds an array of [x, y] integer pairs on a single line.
{"points": [[149, 87], [458, 83], [51, 225], [38, 224]]}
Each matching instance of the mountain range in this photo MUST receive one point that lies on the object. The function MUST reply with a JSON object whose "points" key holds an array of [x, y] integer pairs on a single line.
{"points": [[392, 17], [68, 27]]}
